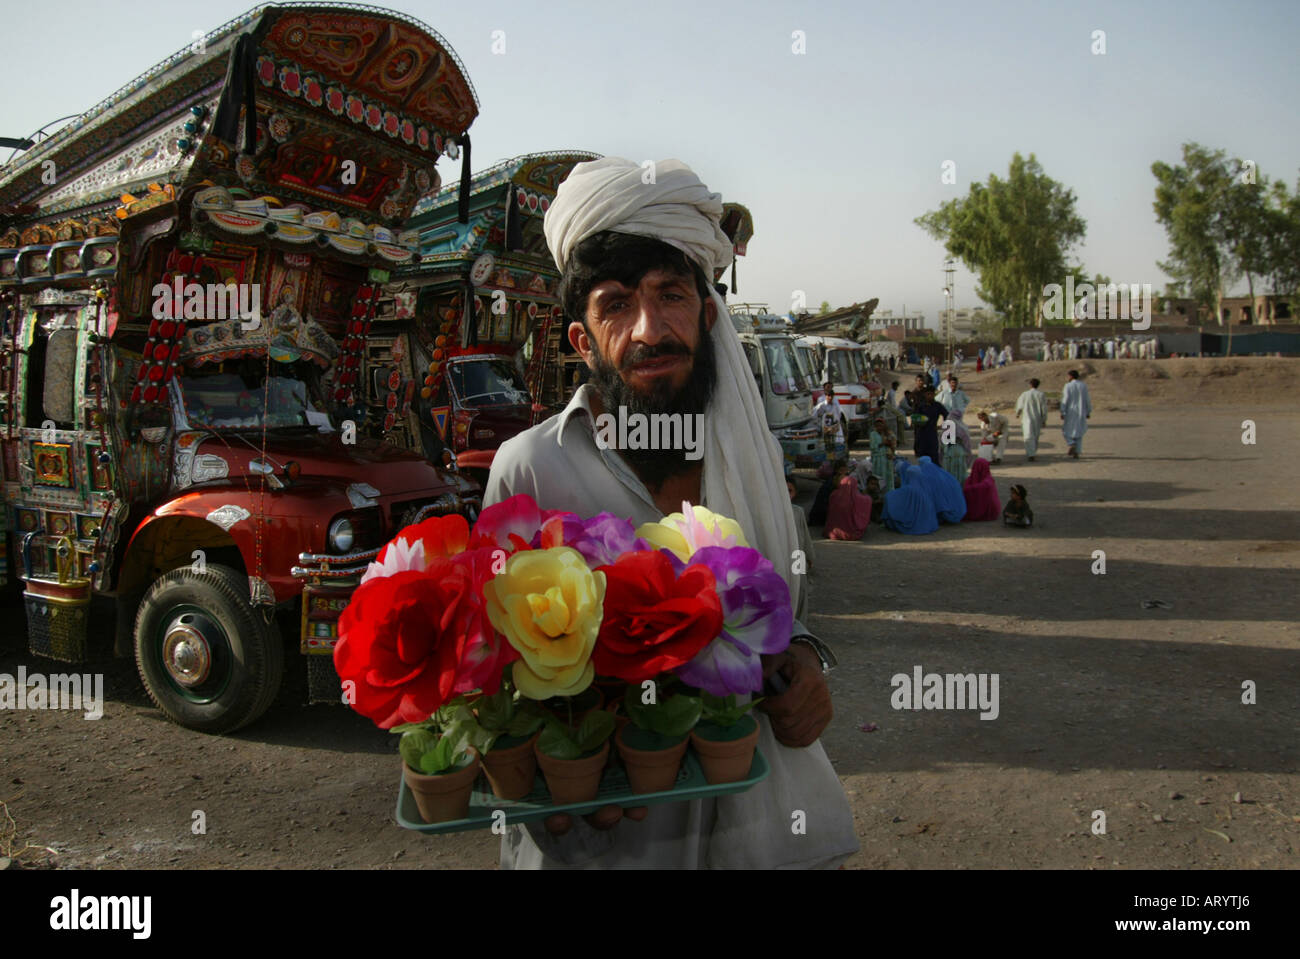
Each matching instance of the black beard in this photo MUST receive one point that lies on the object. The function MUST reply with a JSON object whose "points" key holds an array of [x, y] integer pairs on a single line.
{"points": [[655, 467]]}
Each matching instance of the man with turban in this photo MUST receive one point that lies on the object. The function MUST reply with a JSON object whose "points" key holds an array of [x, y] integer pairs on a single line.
{"points": [[635, 259]]}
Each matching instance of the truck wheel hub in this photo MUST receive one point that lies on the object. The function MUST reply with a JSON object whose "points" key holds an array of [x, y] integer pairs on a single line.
{"points": [[186, 654]]}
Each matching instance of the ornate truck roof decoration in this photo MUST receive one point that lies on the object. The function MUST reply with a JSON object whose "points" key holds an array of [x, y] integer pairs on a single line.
{"points": [[507, 203], [354, 104]]}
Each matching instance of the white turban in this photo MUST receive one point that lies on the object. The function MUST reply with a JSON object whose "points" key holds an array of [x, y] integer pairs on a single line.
{"points": [[743, 475]]}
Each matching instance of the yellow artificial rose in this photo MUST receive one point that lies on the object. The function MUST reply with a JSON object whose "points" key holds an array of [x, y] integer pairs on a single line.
{"points": [[683, 537], [548, 604]]}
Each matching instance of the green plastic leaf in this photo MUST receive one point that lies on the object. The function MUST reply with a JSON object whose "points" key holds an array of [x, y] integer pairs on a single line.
{"points": [[637, 711], [555, 741], [524, 723], [414, 745], [597, 726], [494, 712], [723, 711], [676, 715]]}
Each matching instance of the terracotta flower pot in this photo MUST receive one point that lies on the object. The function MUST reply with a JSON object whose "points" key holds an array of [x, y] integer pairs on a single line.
{"points": [[650, 770], [573, 780], [511, 770], [443, 796], [725, 760]]}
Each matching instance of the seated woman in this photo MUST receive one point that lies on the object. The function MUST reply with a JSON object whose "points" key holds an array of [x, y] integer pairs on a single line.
{"points": [[1017, 511], [822, 501], [909, 508], [981, 493], [944, 491], [849, 513]]}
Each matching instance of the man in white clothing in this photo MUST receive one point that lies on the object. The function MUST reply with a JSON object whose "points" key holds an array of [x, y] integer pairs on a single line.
{"points": [[1076, 407], [952, 396], [635, 260], [994, 427], [1031, 407]]}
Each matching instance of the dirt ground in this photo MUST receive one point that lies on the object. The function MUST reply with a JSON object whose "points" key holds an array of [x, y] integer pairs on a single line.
{"points": [[1104, 705]]}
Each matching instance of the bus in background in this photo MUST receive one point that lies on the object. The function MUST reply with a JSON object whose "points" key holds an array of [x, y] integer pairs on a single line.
{"points": [[786, 392], [846, 364]]}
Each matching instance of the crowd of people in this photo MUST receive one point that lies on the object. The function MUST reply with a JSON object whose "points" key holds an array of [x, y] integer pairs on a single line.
{"points": [[951, 480], [1097, 348]]}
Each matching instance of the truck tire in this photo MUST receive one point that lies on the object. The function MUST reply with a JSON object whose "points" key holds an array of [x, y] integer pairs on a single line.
{"points": [[207, 657]]}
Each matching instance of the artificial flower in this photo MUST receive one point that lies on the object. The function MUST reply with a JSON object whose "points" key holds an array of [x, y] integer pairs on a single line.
{"points": [[691, 530], [655, 619], [756, 620], [601, 540], [416, 546], [401, 639], [486, 651], [509, 525], [549, 604]]}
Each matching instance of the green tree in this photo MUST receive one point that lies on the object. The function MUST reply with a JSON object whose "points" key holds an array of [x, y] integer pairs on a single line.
{"points": [[1283, 242], [824, 308], [1223, 222], [1014, 234], [987, 327]]}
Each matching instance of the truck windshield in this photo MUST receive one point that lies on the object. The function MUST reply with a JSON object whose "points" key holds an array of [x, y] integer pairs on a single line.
{"points": [[783, 366], [841, 368], [237, 398], [488, 382]]}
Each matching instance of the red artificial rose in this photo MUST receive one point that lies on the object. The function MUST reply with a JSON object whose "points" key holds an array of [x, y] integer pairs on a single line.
{"points": [[654, 620], [401, 640], [487, 653]]}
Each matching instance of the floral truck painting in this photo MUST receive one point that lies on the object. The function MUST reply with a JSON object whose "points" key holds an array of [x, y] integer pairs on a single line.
{"points": [[188, 387]]}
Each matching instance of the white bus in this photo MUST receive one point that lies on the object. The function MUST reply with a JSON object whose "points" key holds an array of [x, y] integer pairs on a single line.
{"points": [[786, 392], [846, 364]]}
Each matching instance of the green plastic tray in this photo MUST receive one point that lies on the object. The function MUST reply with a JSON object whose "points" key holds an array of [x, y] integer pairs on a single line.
{"points": [[537, 805]]}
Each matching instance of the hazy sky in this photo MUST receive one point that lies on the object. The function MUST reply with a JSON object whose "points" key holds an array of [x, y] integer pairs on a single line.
{"points": [[834, 150]]}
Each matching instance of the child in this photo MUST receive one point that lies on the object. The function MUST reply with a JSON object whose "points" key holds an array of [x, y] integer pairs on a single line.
{"points": [[877, 498], [1017, 511]]}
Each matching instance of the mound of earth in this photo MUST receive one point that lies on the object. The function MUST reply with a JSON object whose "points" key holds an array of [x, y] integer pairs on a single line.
{"points": [[1192, 381]]}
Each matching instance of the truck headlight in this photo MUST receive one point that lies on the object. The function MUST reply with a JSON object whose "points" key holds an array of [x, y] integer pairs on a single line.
{"points": [[341, 535]]}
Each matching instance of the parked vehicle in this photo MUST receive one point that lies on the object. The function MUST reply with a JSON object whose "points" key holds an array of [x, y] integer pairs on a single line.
{"points": [[787, 396], [185, 365], [846, 364]]}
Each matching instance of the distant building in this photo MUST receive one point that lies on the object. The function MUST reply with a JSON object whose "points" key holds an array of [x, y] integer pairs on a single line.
{"points": [[910, 323], [964, 322]]}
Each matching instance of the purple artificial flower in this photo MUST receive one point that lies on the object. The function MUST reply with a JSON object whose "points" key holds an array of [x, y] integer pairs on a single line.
{"points": [[756, 620], [601, 540]]}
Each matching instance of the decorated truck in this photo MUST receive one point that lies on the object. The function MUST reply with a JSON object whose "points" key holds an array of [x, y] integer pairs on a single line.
{"points": [[482, 379], [192, 411]]}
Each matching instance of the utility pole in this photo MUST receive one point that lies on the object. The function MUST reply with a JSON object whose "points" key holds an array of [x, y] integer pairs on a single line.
{"points": [[948, 294]]}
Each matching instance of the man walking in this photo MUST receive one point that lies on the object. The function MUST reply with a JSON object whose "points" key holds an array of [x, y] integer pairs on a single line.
{"points": [[1031, 407], [1076, 407], [635, 259]]}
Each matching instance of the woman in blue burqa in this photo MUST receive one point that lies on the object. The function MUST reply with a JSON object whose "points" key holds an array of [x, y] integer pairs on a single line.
{"points": [[909, 508], [949, 500]]}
